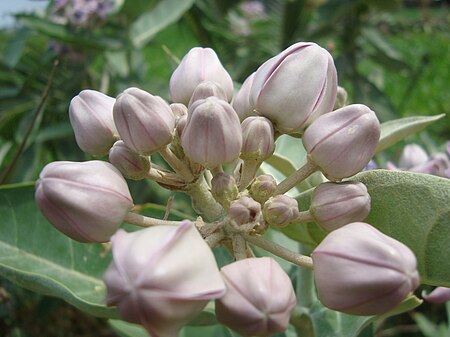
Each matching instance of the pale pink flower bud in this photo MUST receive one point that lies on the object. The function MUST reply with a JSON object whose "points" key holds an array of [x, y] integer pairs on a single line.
{"points": [[360, 271], [212, 135], [342, 142], [244, 210], [86, 201], [334, 205], [259, 298], [341, 98], [207, 89], [161, 277], [131, 164], [145, 122], [280, 210], [91, 117], [198, 65], [241, 102], [257, 138], [438, 295], [179, 110], [295, 87], [224, 188], [263, 187], [412, 155]]}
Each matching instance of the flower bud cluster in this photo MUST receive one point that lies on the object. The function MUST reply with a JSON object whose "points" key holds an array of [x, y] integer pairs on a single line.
{"points": [[163, 276]]}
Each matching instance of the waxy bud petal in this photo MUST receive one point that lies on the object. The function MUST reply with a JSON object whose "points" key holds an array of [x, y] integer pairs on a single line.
{"points": [[161, 277], [263, 187], [259, 298], [145, 122], [86, 201], [241, 103], [280, 210], [360, 271], [91, 117], [207, 89], [342, 142], [131, 164], [438, 295], [295, 87], [224, 188], [244, 210], [197, 66], [212, 135], [334, 205], [257, 138]]}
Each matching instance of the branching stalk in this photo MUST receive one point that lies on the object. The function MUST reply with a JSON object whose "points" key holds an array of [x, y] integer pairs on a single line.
{"points": [[177, 165], [297, 177], [144, 221]]}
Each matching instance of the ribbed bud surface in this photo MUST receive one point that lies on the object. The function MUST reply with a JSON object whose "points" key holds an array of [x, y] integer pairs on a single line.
{"points": [[207, 89], [280, 210], [244, 210], [257, 138], [263, 187], [241, 102], [224, 188], [131, 164], [86, 201]]}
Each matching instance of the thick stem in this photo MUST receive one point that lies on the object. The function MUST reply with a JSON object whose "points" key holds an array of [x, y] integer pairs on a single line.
{"points": [[144, 221], [298, 176], [306, 293], [276, 249], [177, 165], [239, 247], [214, 239], [303, 217], [203, 201], [249, 169]]}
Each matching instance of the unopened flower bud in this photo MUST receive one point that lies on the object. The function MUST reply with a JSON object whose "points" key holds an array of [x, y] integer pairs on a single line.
{"points": [[280, 210], [341, 98], [197, 66], [412, 155], [212, 135], [263, 187], [334, 205], [360, 271], [131, 164], [244, 210], [295, 87], [86, 201], [91, 117], [179, 110], [145, 122], [161, 277], [438, 295], [241, 102], [342, 142], [224, 188], [257, 138], [207, 89], [259, 297]]}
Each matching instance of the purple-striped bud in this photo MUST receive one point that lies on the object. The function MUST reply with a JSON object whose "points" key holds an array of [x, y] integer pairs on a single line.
{"points": [[295, 87], [334, 205], [244, 210], [360, 271], [280, 210], [257, 138], [263, 187], [145, 122], [212, 135], [91, 117], [207, 89], [197, 66], [342, 142], [86, 201], [259, 297], [241, 102], [161, 277], [131, 164]]}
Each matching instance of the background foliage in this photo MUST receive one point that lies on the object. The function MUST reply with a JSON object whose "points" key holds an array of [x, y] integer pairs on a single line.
{"points": [[392, 56]]}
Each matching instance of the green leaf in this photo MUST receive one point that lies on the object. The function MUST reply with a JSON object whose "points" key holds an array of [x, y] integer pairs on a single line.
{"points": [[14, 48], [125, 329], [148, 24], [34, 255], [414, 208], [395, 130]]}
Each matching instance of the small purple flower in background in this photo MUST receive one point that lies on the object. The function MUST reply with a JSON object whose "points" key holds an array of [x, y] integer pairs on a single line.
{"points": [[415, 159], [248, 13], [253, 9], [81, 13]]}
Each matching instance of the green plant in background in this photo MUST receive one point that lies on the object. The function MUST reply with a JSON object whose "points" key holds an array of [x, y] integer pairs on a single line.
{"points": [[139, 44]]}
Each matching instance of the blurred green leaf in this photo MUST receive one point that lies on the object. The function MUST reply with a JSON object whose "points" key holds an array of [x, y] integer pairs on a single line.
{"points": [[14, 47], [395, 130], [84, 39], [163, 14], [125, 329]]}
